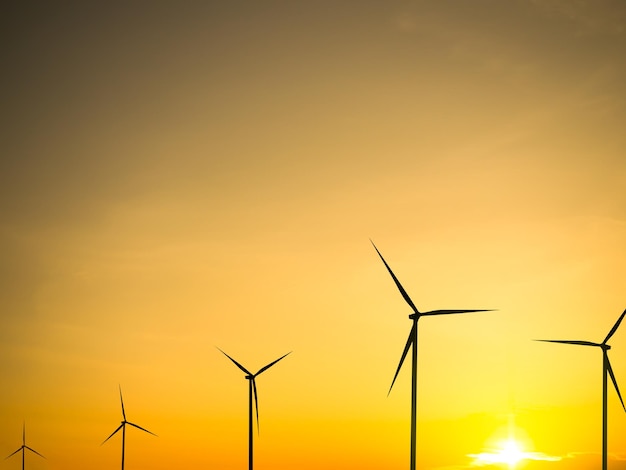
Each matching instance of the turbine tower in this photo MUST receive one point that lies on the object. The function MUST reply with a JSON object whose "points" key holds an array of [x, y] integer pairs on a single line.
{"points": [[123, 428], [607, 370], [412, 344], [24, 447], [252, 394]]}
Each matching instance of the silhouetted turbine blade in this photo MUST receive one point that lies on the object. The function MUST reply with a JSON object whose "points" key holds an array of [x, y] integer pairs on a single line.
{"points": [[33, 450], [256, 405], [407, 346], [580, 343], [139, 427], [615, 327], [395, 279], [14, 453], [113, 433], [449, 312], [264, 368], [615, 382], [24, 433], [236, 363], [122, 402]]}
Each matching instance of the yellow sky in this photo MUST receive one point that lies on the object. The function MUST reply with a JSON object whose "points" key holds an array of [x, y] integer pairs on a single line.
{"points": [[178, 177]]}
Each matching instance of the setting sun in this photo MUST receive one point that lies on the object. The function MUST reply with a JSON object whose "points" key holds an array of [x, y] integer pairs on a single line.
{"points": [[509, 452]]}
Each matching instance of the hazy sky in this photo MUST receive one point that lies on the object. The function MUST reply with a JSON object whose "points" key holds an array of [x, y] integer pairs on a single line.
{"points": [[177, 176]]}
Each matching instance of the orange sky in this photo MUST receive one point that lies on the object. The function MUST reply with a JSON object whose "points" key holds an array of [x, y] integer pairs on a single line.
{"points": [[181, 176]]}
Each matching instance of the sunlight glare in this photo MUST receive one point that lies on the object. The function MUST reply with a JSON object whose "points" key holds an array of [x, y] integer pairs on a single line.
{"points": [[509, 452]]}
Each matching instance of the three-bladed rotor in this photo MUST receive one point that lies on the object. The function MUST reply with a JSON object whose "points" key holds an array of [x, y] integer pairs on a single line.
{"points": [[607, 370], [416, 315], [252, 395], [412, 344], [125, 422], [252, 378], [24, 447], [605, 348]]}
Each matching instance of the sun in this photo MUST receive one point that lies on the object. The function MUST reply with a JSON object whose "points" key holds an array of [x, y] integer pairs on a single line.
{"points": [[508, 452], [509, 447], [511, 453]]}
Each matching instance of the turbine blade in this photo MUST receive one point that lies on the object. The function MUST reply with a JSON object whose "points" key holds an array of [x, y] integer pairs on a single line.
{"points": [[449, 312], [395, 279], [407, 346], [139, 427], [615, 327], [122, 402], [580, 343], [14, 453], [256, 404], [33, 450], [113, 433], [24, 433], [615, 382], [264, 368], [236, 363]]}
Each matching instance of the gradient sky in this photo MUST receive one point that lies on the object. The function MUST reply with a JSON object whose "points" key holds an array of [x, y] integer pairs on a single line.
{"points": [[178, 176]]}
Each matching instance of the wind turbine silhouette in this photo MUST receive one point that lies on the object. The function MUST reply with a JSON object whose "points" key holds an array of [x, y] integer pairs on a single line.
{"points": [[123, 428], [606, 370], [24, 447], [412, 344], [252, 393]]}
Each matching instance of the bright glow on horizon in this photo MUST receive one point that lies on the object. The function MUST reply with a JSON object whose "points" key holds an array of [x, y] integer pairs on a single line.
{"points": [[509, 452]]}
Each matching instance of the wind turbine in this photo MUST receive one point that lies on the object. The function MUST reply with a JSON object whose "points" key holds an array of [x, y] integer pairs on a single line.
{"points": [[252, 393], [412, 344], [123, 428], [606, 370], [24, 447]]}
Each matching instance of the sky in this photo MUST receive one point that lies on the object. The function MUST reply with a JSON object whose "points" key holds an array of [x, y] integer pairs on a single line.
{"points": [[179, 177]]}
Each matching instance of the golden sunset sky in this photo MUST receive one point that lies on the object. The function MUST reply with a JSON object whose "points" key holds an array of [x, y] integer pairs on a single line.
{"points": [[181, 176]]}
